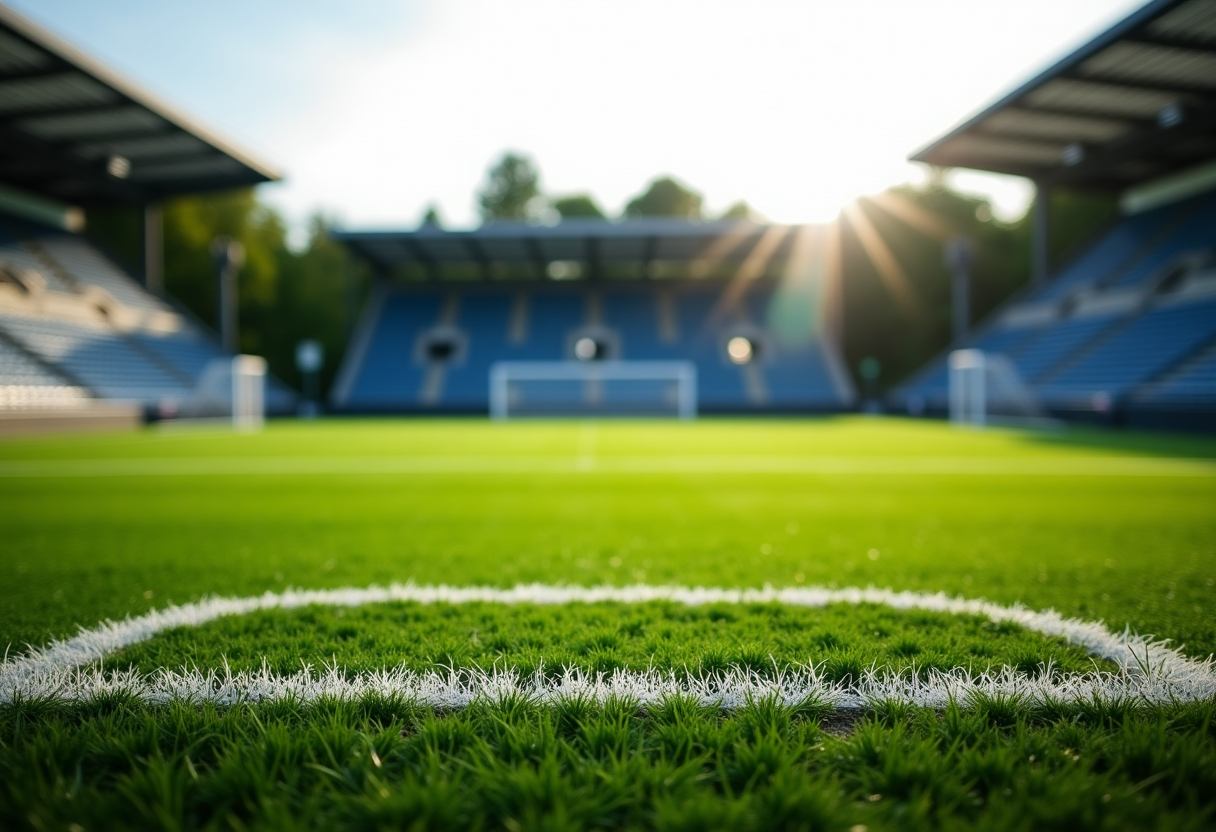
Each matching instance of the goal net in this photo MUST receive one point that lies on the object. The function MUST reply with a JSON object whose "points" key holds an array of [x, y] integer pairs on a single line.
{"points": [[593, 388], [231, 389], [986, 388]]}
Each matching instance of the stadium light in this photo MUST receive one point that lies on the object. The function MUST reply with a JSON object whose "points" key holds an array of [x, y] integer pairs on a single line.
{"points": [[118, 166], [740, 350], [586, 349], [309, 357]]}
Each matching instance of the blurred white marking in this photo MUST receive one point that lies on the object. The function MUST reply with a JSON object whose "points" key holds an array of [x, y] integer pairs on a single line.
{"points": [[738, 464], [1148, 671]]}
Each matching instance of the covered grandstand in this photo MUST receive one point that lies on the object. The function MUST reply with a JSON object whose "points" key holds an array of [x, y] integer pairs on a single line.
{"points": [[1125, 330], [75, 327], [448, 305]]}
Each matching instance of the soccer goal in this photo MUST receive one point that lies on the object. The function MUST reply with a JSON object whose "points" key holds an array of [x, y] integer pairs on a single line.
{"points": [[593, 388], [231, 389], [986, 388]]}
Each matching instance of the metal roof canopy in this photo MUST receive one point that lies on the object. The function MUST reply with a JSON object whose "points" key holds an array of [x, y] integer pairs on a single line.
{"points": [[1136, 103], [74, 131], [593, 243]]}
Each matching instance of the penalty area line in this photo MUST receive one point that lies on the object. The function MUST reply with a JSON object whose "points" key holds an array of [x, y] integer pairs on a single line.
{"points": [[1148, 671]]}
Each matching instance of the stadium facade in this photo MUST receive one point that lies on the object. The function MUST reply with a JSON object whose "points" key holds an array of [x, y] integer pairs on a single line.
{"points": [[77, 330], [747, 305], [1124, 331]]}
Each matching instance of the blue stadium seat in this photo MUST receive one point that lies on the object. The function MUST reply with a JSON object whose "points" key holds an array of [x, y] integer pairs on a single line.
{"points": [[106, 363], [89, 267], [1039, 355], [1148, 346], [1193, 384], [1131, 241], [185, 350], [485, 319], [391, 376]]}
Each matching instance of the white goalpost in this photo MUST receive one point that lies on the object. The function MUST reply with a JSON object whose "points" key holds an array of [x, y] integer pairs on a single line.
{"points": [[593, 388], [231, 389], [985, 388]]}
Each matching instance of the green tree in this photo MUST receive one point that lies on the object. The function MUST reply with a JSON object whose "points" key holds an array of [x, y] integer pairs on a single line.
{"points": [[665, 197], [431, 217], [742, 211], [512, 191], [578, 206]]}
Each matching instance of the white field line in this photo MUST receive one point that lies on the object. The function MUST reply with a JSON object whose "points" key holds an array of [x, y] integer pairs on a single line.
{"points": [[1148, 671], [1097, 466]]}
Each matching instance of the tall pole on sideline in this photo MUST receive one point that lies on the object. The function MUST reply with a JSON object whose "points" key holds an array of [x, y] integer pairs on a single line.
{"points": [[960, 253], [229, 256], [154, 248], [1040, 235]]}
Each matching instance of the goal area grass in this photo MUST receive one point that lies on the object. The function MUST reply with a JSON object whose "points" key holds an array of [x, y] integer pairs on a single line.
{"points": [[1116, 528]]}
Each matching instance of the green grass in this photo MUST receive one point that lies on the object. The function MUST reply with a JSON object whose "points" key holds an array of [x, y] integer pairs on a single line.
{"points": [[381, 764], [1137, 551], [843, 640]]}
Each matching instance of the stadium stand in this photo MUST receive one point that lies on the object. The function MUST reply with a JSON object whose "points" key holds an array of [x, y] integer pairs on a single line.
{"points": [[94, 324], [429, 343], [1125, 331], [76, 329]]}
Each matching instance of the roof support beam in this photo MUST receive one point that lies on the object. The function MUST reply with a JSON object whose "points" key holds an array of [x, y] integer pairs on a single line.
{"points": [[649, 246], [1137, 145], [1151, 39], [595, 270], [539, 263], [422, 256], [1178, 89], [1048, 110], [479, 256]]}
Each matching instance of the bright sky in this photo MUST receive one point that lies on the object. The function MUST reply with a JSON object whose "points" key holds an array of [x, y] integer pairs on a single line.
{"points": [[374, 109]]}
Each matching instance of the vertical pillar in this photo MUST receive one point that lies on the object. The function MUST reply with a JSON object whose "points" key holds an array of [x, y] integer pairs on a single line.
{"points": [[154, 248], [962, 306], [229, 257], [960, 254], [1040, 238]]}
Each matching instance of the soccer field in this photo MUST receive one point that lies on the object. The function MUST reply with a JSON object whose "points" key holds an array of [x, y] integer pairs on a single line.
{"points": [[461, 673]]}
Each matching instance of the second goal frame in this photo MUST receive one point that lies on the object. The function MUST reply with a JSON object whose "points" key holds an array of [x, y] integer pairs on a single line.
{"points": [[684, 373]]}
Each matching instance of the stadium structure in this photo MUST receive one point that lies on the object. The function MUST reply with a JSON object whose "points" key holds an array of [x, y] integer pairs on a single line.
{"points": [[745, 305], [79, 332], [1123, 331]]}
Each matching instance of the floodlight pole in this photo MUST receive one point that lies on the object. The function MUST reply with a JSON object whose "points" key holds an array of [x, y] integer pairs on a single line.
{"points": [[1040, 231], [960, 252], [154, 248], [229, 256]]}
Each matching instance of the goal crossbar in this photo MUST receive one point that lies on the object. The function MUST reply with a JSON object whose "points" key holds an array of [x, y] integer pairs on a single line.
{"points": [[683, 373]]}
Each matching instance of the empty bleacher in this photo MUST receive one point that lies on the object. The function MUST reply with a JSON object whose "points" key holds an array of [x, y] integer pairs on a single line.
{"points": [[1191, 384], [75, 314], [102, 360], [27, 383], [90, 267], [1149, 344], [1130, 323]]}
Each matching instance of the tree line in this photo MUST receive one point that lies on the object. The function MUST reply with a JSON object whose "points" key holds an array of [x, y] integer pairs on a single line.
{"points": [[513, 193]]}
